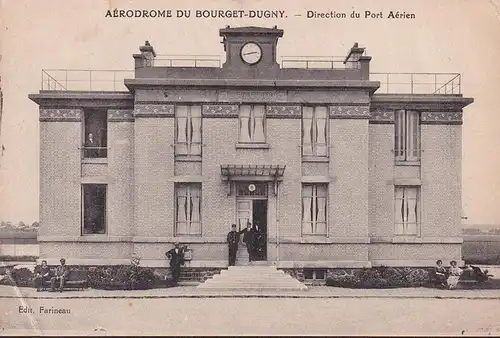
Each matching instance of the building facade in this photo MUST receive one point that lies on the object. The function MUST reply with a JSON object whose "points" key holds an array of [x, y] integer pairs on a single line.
{"points": [[332, 172]]}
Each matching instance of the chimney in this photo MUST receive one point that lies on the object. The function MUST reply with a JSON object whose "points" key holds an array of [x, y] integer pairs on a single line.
{"points": [[356, 60], [147, 56]]}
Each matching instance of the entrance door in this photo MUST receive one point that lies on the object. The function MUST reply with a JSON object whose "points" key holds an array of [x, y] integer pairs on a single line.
{"points": [[259, 215], [244, 213]]}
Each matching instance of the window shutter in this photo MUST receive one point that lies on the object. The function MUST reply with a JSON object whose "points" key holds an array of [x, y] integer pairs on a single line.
{"points": [[181, 146], [245, 124], [259, 124], [195, 130], [307, 131], [399, 207], [399, 135], [412, 136], [411, 201], [321, 130]]}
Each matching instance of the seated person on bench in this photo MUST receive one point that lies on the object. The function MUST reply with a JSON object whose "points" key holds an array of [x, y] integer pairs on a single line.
{"points": [[42, 274], [62, 273]]}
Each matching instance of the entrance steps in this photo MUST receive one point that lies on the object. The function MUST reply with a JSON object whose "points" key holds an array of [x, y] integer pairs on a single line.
{"points": [[252, 278]]}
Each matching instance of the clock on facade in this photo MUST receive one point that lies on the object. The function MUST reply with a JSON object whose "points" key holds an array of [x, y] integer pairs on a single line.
{"points": [[251, 53]]}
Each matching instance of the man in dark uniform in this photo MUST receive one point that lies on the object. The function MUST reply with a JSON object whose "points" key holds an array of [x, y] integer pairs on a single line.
{"points": [[176, 256], [249, 240], [233, 237]]}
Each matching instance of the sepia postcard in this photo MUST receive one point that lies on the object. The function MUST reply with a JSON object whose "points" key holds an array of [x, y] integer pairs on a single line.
{"points": [[239, 167]]}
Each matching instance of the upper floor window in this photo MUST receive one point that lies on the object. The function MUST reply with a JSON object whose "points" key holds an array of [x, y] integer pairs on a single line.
{"points": [[188, 209], [94, 208], [314, 131], [252, 124], [406, 209], [96, 133], [314, 209], [407, 135], [188, 130]]}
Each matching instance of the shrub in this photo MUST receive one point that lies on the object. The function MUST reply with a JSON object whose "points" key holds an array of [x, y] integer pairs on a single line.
{"points": [[122, 277], [378, 278], [22, 276]]}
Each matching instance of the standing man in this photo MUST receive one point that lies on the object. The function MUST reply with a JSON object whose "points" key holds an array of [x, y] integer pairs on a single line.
{"points": [[233, 237], [249, 240], [91, 144], [176, 256], [62, 272]]}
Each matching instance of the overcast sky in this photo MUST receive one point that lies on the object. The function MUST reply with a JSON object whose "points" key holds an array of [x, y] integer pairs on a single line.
{"points": [[446, 36]]}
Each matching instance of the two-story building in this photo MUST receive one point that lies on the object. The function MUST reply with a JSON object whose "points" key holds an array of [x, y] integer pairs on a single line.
{"points": [[335, 166]]}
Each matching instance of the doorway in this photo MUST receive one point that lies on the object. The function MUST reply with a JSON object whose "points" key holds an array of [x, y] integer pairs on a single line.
{"points": [[255, 212]]}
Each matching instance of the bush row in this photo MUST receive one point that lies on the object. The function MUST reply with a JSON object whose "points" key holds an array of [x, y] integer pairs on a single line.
{"points": [[378, 278]]}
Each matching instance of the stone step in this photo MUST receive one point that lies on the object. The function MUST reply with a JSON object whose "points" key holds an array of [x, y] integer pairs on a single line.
{"points": [[261, 277], [251, 288]]}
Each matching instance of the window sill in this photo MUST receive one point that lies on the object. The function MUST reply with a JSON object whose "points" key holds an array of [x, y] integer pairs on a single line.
{"points": [[188, 158], [252, 146], [315, 159], [95, 160], [407, 163]]}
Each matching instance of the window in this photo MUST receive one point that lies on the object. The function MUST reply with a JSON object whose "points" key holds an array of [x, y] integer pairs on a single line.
{"points": [[407, 135], [314, 131], [252, 126], [95, 134], [188, 209], [94, 208], [188, 130], [314, 207], [314, 274], [406, 210]]}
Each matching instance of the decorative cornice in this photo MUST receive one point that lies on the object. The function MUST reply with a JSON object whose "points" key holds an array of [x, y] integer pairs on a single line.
{"points": [[154, 110], [284, 112], [382, 116], [420, 102], [120, 115], [220, 110], [441, 118], [60, 115], [349, 112]]}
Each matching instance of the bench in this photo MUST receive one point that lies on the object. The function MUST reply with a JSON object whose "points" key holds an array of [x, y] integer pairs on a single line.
{"points": [[76, 280]]}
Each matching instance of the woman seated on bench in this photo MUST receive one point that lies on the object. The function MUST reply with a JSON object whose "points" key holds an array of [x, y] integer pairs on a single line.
{"points": [[441, 273], [454, 277], [42, 274]]}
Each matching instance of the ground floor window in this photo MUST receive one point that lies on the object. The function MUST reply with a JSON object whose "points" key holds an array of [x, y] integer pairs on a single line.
{"points": [[94, 208], [314, 209], [406, 210], [314, 274], [188, 209]]}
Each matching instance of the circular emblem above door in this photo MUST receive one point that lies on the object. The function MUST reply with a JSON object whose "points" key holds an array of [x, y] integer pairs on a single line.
{"points": [[251, 187]]}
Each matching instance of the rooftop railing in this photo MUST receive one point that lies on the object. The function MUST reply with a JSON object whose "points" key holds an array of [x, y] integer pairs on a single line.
{"points": [[318, 62], [390, 83], [85, 79], [187, 61], [418, 83]]}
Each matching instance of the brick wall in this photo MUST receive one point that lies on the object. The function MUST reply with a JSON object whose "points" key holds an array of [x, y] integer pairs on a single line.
{"points": [[381, 174], [153, 170], [441, 180], [59, 179], [121, 184], [349, 166]]}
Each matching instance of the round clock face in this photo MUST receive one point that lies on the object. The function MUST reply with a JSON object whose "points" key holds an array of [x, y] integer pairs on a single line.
{"points": [[251, 53]]}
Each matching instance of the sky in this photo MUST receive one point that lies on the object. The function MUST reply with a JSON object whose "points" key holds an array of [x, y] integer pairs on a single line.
{"points": [[445, 36]]}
